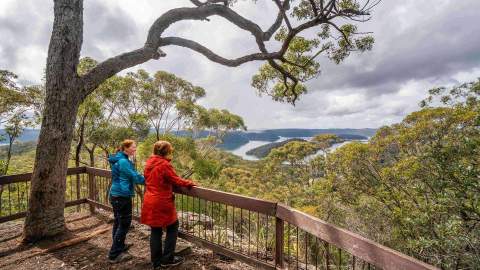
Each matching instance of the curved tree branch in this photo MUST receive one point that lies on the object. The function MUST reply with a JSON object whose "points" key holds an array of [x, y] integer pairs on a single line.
{"points": [[186, 43], [115, 64], [205, 9]]}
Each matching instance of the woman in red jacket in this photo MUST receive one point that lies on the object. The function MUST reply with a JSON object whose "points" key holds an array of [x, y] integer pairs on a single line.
{"points": [[158, 209]]}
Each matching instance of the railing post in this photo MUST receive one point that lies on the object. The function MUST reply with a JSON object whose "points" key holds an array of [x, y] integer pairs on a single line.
{"points": [[78, 191], [279, 228], [91, 190]]}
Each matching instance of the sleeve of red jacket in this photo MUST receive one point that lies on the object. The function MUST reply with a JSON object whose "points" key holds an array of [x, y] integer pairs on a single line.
{"points": [[171, 175]]}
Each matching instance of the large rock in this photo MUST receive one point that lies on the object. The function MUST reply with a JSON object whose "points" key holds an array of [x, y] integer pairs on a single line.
{"points": [[192, 219]]}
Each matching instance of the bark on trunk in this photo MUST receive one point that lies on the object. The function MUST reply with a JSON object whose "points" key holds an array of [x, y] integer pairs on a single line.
{"points": [[9, 155], [47, 200], [91, 154], [78, 151], [81, 135], [1, 193]]}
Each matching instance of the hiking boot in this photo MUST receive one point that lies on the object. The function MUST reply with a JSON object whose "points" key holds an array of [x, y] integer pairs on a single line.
{"points": [[177, 260], [124, 256], [127, 247]]}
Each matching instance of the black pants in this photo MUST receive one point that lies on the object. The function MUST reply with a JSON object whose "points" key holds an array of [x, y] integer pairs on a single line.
{"points": [[122, 212], [156, 254]]}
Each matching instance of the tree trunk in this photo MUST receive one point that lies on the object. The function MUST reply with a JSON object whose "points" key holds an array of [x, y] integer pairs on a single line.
{"points": [[91, 154], [78, 151], [81, 135], [9, 154], [1, 193], [63, 87]]}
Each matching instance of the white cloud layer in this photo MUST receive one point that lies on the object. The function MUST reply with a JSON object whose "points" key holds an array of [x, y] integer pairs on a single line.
{"points": [[419, 45]]}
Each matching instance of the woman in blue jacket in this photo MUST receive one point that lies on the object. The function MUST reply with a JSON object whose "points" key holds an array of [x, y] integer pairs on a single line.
{"points": [[124, 177]]}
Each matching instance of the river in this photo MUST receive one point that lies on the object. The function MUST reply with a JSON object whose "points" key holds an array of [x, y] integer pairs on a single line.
{"points": [[242, 150]]}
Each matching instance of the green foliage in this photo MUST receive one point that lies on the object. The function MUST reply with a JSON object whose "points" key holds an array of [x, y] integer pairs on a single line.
{"points": [[16, 100], [414, 187], [264, 150], [218, 121], [185, 152], [284, 78], [421, 177], [18, 148], [324, 141], [166, 100], [3, 169], [207, 168]]}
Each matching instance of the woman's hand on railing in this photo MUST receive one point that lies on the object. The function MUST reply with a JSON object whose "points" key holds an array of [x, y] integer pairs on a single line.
{"points": [[191, 184]]}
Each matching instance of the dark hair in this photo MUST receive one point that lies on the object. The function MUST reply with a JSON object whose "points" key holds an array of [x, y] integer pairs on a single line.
{"points": [[162, 148]]}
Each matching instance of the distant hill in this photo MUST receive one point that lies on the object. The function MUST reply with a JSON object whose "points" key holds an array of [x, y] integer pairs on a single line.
{"points": [[27, 136], [299, 132], [264, 150], [236, 139], [17, 148]]}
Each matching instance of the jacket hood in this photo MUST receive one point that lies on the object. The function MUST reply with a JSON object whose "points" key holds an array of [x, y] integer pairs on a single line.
{"points": [[115, 158], [153, 161]]}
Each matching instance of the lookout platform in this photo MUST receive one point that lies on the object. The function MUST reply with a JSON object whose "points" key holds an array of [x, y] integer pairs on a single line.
{"points": [[263, 234], [86, 245]]}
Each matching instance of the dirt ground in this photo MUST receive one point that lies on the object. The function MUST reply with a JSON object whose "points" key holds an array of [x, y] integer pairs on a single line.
{"points": [[92, 254]]}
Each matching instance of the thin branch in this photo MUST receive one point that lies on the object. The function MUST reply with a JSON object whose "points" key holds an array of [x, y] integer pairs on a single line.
{"points": [[314, 7], [284, 14], [341, 32], [278, 22]]}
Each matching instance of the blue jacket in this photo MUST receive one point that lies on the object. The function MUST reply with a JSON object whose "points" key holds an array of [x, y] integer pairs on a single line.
{"points": [[124, 176]]}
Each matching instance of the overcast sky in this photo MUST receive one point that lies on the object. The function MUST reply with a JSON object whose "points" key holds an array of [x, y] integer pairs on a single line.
{"points": [[419, 44]]}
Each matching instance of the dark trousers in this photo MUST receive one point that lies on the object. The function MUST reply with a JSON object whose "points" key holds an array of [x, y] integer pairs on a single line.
{"points": [[156, 254], [122, 212]]}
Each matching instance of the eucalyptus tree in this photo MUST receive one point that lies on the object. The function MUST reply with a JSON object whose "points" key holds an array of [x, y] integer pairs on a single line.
{"points": [[419, 179], [96, 113], [217, 123], [17, 109], [166, 100], [288, 68], [15, 102], [288, 166], [14, 99], [13, 130]]}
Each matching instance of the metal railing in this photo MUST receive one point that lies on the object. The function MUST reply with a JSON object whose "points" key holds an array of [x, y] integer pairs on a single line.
{"points": [[261, 233]]}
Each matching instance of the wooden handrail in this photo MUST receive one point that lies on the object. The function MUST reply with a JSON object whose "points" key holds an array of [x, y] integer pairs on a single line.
{"points": [[239, 201], [15, 178], [355, 244], [247, 203]]}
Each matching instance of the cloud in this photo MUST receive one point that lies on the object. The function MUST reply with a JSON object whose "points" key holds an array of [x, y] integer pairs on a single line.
{"points": [[25, 29]]}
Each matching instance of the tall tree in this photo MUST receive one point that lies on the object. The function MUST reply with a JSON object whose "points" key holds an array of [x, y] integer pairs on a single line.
{"points": [[416, 185], [66, 89], [14, 129], [167, 100], [15, 101]]}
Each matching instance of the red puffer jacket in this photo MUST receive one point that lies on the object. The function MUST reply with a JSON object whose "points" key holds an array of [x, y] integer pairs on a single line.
{"points": [[158, 209]]}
